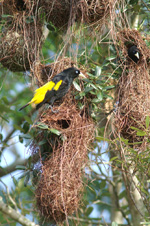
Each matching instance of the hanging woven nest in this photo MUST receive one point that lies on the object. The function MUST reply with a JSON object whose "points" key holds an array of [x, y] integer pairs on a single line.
{"points": [[59, 190], [12, 7], [62, 14], [57, 12], [134, 89], [20, 38], [62, 142], [127, 38], [93, 12]]}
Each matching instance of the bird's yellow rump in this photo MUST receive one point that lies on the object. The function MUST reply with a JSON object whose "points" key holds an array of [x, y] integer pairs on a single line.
{"points": [[40, 92]]}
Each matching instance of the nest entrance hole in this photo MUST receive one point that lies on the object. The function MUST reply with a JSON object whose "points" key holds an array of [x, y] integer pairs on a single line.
{"points": [[20, 5], [64, 123]]}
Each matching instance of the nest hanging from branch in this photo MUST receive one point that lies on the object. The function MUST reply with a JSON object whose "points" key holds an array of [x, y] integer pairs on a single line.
{"points": [[59, 190], [128, 38], [62, 157], [21, 37], [12, 7], [62, 14], [134, 89], [93, 12], [57, 12]]}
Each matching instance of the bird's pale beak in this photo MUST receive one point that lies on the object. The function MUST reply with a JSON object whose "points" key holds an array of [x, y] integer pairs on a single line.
{"points": [[82, 75], [137, 55]]}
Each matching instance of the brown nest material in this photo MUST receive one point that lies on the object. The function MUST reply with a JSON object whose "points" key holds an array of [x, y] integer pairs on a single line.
{"points": [[20, 34], [129, 37], [12, 7], [57, 12], [59, 190], [93, 12], [134, 90], [20, 44], [64, 13]]}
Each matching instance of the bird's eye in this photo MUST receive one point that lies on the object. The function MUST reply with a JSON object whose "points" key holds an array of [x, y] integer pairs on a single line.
{"points": [[77, 72]]}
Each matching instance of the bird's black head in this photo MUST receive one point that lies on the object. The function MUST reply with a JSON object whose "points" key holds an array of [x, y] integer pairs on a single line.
{"points": [[72, 72], [134, 53]]}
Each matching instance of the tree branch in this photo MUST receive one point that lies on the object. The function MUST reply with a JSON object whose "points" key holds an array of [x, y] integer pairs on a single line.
{"points": [[15, 215], [12, 167]]}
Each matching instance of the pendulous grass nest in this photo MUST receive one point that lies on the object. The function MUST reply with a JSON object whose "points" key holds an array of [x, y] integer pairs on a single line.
{"points": [[20, 36], [59, 190], [62, 142], [134, 88], [62, 14]]}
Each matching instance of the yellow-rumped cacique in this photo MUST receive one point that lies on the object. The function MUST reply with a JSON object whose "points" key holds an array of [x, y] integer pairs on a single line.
{"points": [[134, 53], [54, 89]]}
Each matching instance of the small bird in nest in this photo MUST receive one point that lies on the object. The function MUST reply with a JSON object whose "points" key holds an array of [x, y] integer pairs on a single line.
{"points": [[134, 53], [55, 89]]}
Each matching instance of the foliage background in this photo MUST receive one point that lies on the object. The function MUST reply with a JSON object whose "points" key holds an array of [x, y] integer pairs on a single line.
{"points": [[105, 200]]}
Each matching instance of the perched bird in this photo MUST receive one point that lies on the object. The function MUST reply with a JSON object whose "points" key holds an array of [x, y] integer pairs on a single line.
{"points": [[134, 53], [55, 89]]}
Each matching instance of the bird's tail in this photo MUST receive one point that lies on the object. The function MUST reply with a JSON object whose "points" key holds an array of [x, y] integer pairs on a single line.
{"points": [[24, 106]]}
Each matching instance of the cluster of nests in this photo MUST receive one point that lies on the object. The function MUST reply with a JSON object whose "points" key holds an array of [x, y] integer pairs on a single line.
{"points": [[133, 89], [61, 158], [22, 25]]}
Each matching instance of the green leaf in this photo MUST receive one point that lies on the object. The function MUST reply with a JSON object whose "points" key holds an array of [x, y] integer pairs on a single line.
{"points": [[109, 87], [20, 139], [17, 127], [88, 210], [27, 178], [102, 184], [20, 167], [98, 71], [114, 224], [147, 122], [28, 119], [42, 125], [88, 89], [93, 86], [5, 100], [96, 100], [100, 96], [114, 158], [111, 58], [1, 136], [4, 118], [102, 139], [4, 108], [122, 194], [26, 127], [134, 128], [141, 133], [55, 131], [76, 86], [42, 142], [25, 136]]}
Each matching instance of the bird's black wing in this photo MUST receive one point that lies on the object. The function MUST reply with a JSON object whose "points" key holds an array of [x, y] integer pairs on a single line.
{"points": [[52, 95]]}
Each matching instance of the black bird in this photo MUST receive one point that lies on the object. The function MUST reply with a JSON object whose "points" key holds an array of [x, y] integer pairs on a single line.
{"points": [[134, 53], [55, 89]]}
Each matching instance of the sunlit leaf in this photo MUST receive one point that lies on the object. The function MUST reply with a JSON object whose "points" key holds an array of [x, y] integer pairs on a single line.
{"points": [[77, 87]]}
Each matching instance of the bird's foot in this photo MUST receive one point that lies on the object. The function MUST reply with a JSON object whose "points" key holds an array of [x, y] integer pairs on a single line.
{"points": [[52, 109]]}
